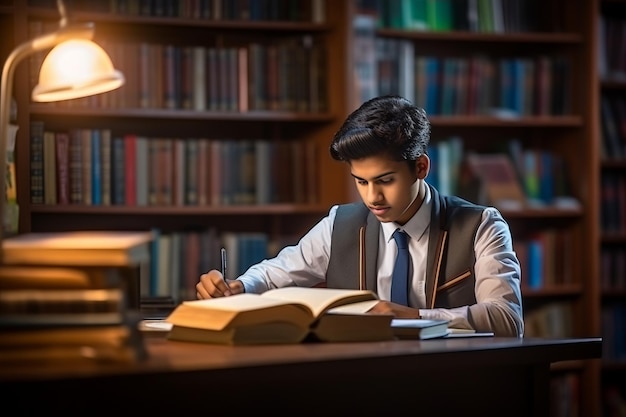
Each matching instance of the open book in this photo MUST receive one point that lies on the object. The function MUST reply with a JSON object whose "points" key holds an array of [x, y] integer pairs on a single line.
{"points": [[283, 315]]}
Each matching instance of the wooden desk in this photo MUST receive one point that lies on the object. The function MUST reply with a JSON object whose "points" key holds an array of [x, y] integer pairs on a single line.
{"points": [[442, 377]]}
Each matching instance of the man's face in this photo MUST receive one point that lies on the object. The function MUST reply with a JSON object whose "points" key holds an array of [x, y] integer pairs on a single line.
{"points": [[389, 188]]}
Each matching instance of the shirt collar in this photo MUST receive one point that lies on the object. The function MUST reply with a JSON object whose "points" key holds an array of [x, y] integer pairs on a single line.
{"points": [[417, 225]]}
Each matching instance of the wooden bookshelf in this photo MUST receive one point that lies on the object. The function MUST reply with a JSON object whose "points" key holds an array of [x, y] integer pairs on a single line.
{"points": [[611, 92], [313, 45], [552, 34]]}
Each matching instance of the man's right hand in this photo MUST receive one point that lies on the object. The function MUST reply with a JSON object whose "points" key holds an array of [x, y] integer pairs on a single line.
{"points": [[213, 285]]}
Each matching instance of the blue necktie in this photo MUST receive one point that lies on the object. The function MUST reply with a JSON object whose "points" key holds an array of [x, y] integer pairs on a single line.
{"points": [[400, 277]]}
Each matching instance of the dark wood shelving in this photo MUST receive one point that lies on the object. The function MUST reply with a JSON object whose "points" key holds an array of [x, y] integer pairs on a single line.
{"points": [[133, 113], [473, 37], [232, 210]]}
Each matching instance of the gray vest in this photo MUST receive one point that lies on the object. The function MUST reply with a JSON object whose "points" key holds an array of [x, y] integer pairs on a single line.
{"points": [[449, 279]]}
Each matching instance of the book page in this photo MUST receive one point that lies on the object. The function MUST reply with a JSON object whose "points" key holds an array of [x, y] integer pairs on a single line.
{"points": [[239, 302], [361, 307], [239, 310], [319, 299]]}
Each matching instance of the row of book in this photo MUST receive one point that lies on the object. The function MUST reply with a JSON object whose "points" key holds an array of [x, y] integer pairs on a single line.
{"points": [[98, 167], [489, 16], [554, 320], [613, 117], [539, 175], [614, 396], [475, 85], [71, 297], [612, 47], [613, 268], [613, 202], [284, 75], [613, 335], [545, 258], [565, 394], [52, 314], [255, 10], [179, 258]]}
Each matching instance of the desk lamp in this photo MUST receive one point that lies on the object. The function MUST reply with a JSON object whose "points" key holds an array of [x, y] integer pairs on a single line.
{"points": [[75, 68]]}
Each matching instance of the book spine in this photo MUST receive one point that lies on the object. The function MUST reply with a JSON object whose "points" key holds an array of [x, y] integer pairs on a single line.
{"points": [[199, 78], [106, 142], [36, 162], [96, 167], [76, 167], [87, 166], [142, 171], [118, 164], [62, 147], [190, 167], [130, 167], [178, 169], [202, 173], [50, 170]]}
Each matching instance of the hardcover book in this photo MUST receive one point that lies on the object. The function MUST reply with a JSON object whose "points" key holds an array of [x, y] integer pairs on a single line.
{"points": [[284, 315], [81, 248], [419, 328]]}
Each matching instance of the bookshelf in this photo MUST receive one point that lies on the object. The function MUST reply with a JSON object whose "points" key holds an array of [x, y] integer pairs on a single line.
{"points": [[249, 97], [612, 244], [511, 78]]}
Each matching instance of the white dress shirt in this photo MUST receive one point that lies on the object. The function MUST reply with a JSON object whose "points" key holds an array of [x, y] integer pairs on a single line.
{"points": [[305, 263]]}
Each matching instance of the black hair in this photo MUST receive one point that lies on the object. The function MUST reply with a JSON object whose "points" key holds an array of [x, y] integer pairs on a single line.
{"points": [[387, 124]]}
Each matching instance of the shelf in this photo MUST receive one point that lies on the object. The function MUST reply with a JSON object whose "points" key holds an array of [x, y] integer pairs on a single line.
{"points": [[615, 237], [222, 25], [611, 90], [615, 163], [567, 366], [542, 213], [259, 209], [613, 84], [253, 116], [491, 121], [560, 290], [473, 37], [614, 294], [614, 366], [234, 210]]}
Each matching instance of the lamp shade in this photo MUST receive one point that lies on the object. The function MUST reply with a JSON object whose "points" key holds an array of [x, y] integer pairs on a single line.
{"points": [[76, 68]]}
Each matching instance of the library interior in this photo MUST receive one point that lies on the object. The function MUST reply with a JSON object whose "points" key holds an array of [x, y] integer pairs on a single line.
{"points": [[210, 128]]}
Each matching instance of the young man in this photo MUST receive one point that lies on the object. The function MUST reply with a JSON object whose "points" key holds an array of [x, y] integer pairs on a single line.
{"points": [[462, 266]]}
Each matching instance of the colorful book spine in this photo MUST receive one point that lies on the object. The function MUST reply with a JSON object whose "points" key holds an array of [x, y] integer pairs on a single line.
{"points": [[96, 167], [76, 167], [36, 162], [62, 147]]}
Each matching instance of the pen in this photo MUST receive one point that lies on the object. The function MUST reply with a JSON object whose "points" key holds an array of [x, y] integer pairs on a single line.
{"points": [[223, 257], [362, 258]]}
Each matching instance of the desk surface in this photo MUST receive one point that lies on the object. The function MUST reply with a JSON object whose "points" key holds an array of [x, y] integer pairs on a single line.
{"points": [[439, 377], [172, 356]]}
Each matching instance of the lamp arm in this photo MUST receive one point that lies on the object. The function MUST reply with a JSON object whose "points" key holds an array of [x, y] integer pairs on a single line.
{"points": [[40, 43]]}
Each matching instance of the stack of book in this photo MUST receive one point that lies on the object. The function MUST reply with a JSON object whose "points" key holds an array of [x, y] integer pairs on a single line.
{"points": [[67, 296], [58, 313]]}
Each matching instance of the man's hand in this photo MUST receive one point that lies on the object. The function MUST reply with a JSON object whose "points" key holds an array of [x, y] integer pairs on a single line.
{"points": [[397, 310], [213, 285]]}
